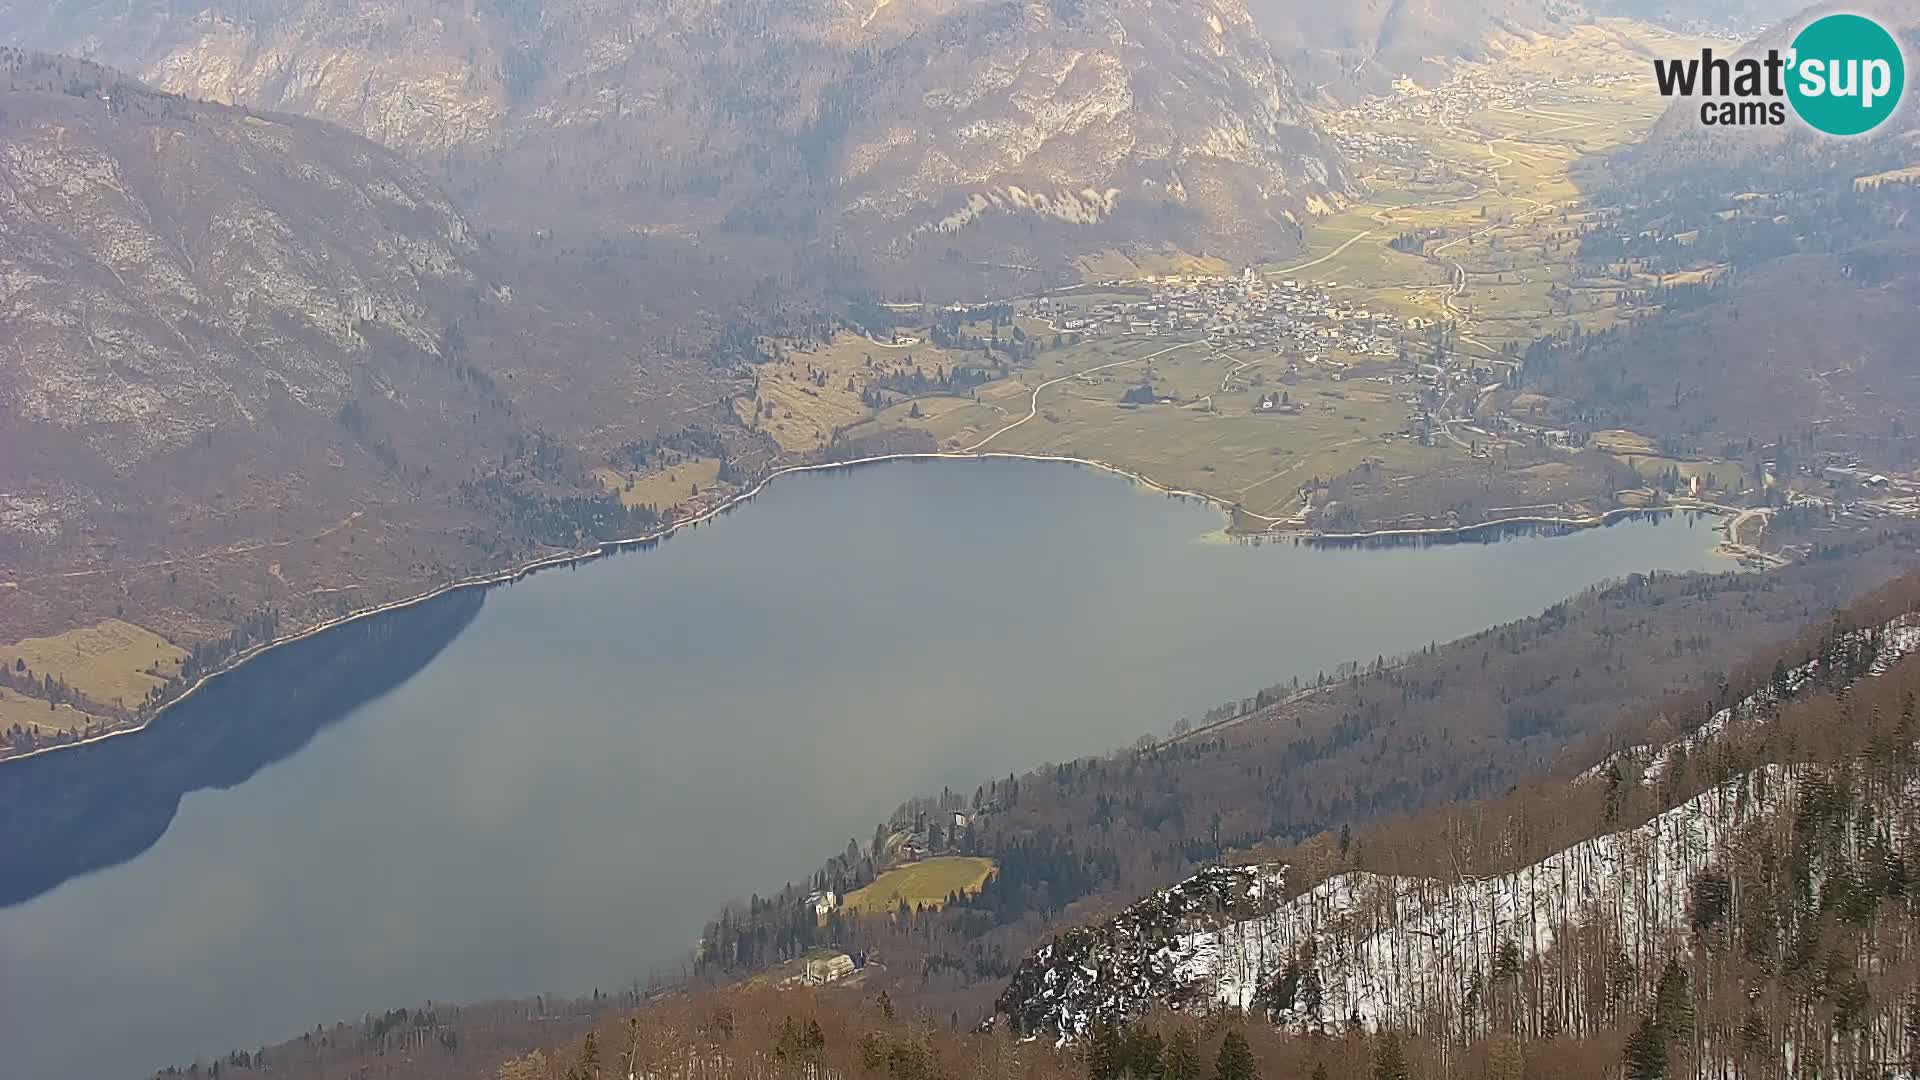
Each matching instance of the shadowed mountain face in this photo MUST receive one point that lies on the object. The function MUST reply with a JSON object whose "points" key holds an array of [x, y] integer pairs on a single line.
{"points": [[1798, 334], [1007, 130], [231, 332]]}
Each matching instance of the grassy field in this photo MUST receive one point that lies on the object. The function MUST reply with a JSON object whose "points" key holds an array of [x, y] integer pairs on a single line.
{"points": [[1498, 190], [664, 488], [1891, 176], [1207, 439], [807, 393], [112, 662], [927, 882], [1115, 264], [28, 712]]}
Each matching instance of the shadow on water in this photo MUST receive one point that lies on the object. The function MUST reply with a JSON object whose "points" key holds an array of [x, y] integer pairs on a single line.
{"points": [[1491, 532], [75, 811]]}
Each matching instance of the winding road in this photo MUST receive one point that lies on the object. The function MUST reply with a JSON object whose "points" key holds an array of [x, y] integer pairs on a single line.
{"points": [[1352, 240], [1033, 406]]}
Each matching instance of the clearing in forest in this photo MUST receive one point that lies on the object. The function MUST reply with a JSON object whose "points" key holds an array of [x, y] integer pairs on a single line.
{"points": [[928, 882], [112, 662]]}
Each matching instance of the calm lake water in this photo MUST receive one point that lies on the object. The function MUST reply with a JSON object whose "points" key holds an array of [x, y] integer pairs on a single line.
{"points": [[550, 786]]}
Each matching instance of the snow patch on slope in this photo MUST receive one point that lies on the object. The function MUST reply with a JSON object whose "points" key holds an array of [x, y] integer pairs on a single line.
{"points": [[1389, 951], [1888, 643]]}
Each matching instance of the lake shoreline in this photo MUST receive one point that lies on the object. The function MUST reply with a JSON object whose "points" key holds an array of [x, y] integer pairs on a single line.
{"points": [[1449, 533], [612, 547]]}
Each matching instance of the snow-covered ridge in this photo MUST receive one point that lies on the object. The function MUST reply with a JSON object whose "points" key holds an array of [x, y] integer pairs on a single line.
{"points": [[1426, 953], [1408, 953], [1873, 649]]}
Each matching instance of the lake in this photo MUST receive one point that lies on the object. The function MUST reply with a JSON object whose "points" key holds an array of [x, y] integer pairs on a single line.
{"points": [[550, 786]]}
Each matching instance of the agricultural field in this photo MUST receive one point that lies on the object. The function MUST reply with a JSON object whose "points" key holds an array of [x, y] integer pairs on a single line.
{"points": [[665, 488], [27, 713], [801, 398], [113, 662], [1205, 435], [928, 882]]}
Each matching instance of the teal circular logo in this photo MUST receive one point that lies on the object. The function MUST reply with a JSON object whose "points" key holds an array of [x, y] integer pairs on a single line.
{"points": [[1847, 74]]}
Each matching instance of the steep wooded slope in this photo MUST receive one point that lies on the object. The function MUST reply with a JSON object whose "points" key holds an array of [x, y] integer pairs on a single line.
{"points": [[251, 358], [1398, 951]]}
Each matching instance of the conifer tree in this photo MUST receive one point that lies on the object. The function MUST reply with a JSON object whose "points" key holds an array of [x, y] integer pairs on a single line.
{"points": [[1673, 1003], [1236, 1059], [1103, 1051], [1646, 1052], [1141, 1056], [1389, 1060], [1183, 1057]]}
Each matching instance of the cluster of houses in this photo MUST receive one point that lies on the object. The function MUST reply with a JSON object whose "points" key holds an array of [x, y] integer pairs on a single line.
{"points": [[1364, 132], [1247, 311]]}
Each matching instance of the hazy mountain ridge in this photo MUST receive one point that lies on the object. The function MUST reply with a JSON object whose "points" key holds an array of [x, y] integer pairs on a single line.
{"points": [[1353, 49], [900, 127]]}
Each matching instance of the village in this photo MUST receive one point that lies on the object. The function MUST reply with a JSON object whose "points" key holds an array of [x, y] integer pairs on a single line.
{"points": [[1302, 322], [1449, 395], [1244, 312], [1367, 132]]}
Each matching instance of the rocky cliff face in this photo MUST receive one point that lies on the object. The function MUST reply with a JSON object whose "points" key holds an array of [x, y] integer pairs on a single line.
{"points": [[172, 268], [1008, 130], [221, 330]]}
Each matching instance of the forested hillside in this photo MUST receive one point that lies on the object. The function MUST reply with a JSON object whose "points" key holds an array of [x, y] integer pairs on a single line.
{"points": [[1458, 721], [1780, 287], [1739, 901]]}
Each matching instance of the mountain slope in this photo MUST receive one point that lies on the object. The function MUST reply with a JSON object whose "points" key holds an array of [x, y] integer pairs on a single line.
{"points": [[252, 359], [1012, 132], [1521, 948], [1359, 48]]}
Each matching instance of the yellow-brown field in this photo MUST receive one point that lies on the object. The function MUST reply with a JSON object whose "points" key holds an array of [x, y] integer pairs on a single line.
{"points": [[807, 394], [29, 712], [661, 489], [1208, 439], [925, 883], [113, 662]]}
